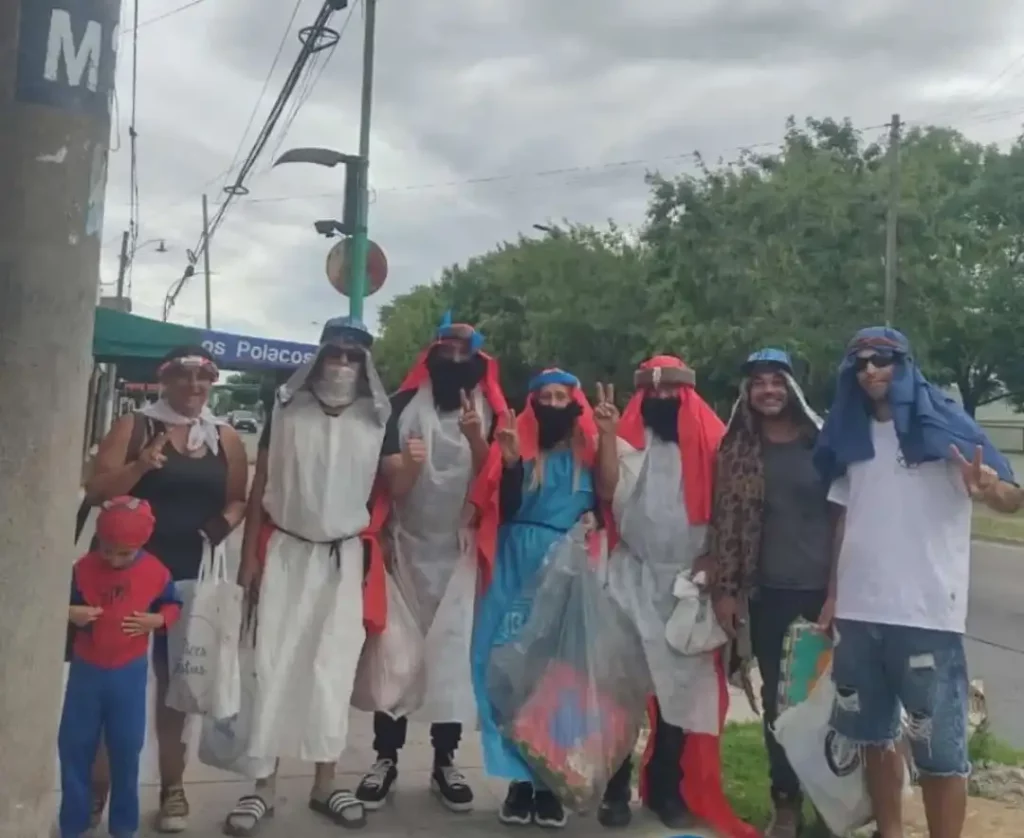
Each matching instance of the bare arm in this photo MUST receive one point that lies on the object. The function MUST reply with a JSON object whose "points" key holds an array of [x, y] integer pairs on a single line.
{"points": [[607, 468], [400, 473], [112, 476], [238, 476], [1004, 497], [254, 519], [480, 449], [837, 520]]}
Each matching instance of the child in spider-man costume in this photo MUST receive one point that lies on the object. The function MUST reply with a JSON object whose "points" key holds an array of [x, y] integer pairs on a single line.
{"points": [[120, 594]]}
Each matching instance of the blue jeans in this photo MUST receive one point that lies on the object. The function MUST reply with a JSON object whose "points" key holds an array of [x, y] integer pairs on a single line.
{"points": [[877, 668]]}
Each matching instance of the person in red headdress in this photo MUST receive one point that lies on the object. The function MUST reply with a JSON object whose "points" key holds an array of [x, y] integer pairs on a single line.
{"points": [[655, 471], [535, 487], [120, 594], [442, 421]]}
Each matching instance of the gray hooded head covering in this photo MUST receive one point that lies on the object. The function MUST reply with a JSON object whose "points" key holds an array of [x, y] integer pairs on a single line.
{"points": [[341, 332]]}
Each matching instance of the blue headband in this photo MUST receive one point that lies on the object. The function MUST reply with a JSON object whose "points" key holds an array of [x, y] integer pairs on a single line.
{"points": [[447, 330], [769, 355], [553, 376], [346, 330]]}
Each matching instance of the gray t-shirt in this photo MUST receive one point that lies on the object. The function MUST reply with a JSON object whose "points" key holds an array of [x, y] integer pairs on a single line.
{"points": [[795, 538]]}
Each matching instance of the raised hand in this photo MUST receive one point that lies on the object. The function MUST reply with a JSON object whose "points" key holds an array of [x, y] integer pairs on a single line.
{"points": [[415, 450], [469, 420], [152, 456], [507, 437], [83, 615], [606, 414], [978, 477]]}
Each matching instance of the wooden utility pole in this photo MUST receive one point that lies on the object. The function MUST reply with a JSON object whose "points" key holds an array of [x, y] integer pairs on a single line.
{"points": [[57, 62], [892, 218]]}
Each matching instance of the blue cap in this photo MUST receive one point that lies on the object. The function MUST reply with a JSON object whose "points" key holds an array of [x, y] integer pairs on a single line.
{"points": [[346, 330], [768, 355]]}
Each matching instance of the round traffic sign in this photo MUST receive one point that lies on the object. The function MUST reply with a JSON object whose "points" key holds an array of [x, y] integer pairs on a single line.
{"points": [[337, 267]]}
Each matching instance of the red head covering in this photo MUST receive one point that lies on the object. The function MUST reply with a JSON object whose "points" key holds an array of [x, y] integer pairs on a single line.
{"points": [[125, 522], [484, 492], [490, 384], [700, 431]]}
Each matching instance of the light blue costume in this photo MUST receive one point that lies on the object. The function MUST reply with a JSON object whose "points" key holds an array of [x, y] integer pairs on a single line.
{"points": [[545, 515]]}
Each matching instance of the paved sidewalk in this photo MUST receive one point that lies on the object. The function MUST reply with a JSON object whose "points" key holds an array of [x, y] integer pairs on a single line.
{"points": [[412, 811]]}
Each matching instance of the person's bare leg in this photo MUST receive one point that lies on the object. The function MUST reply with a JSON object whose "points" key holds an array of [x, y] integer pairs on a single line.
{"points": [[945, 805], [170, 724], [323, 780], [884, 769]]}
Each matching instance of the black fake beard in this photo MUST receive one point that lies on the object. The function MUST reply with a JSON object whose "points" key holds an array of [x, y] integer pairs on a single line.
{"points": [[555, 424], [662, 417], [448, 378]]}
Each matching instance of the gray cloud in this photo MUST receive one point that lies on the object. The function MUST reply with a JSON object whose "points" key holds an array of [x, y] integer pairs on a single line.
{"points": [[491, 115]]}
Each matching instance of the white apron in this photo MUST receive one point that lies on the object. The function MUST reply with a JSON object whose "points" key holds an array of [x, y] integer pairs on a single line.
{"points": [[310, 615], [433, 565], [656, 542]]}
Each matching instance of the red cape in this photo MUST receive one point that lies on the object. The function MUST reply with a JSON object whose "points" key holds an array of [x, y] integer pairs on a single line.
{"points": [[484, 492]]}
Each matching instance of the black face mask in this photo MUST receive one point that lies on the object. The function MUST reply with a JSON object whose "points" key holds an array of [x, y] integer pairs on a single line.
{"points": [[448, 378], [662, 417], [555, 424]]}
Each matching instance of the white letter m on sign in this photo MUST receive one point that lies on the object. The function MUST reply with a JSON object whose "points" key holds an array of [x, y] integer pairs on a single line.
{"points": [[61, 44]]}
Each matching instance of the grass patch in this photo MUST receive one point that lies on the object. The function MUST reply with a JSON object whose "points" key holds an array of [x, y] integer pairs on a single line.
{"points": [[992, 526], [748, 787]]}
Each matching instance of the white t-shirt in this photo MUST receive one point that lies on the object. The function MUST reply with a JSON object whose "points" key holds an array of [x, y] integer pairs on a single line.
{"points": [[906, 553]]}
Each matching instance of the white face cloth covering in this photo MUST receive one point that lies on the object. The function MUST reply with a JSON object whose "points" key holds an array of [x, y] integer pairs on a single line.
{"points": [[203, 430], [336, 386]]}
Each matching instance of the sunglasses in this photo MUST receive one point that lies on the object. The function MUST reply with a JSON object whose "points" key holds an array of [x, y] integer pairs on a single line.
{"points": [[348, 354], [879, 361]]}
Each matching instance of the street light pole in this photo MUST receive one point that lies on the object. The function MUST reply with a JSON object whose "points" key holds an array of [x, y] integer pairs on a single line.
{"points": [[360, 249]]}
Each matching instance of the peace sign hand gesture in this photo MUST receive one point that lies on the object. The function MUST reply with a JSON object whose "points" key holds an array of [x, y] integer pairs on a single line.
{"points": [[507, 437], [979, 479], [469, 419], [606, 414]]}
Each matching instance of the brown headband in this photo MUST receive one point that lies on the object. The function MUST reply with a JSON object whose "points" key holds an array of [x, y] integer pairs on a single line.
{"points": [[653, 377]]}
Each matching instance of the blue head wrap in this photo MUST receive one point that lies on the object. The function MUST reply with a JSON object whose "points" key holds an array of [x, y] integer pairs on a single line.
{"points": [[446, 329], [927, 421], [553, 376], [339, 330], [769, 355]]}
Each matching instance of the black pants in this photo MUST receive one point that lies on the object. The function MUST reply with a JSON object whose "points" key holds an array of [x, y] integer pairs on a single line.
{"points": [[772, 612], [664, 772], [389, 737]]}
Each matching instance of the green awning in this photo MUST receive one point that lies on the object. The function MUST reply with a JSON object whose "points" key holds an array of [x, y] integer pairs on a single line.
{"points": [[120, 337]]}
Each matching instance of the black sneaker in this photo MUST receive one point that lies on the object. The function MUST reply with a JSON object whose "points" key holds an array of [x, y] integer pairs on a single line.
{"points": [[517, 810], [614, 814], [376, 785], [448, 783], [548, 811], [672, 813]]}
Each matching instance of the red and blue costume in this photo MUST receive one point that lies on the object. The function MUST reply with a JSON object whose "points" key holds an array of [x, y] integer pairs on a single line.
{"points": [[106, 689]]}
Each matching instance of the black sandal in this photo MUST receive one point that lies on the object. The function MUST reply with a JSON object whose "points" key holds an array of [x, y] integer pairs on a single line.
{"points": [[251, 808], [339, 806]]}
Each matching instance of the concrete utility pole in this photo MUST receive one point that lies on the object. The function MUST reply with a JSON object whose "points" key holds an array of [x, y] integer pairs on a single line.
{"points": [[56, 82], [361, 237], [892, 219], [122, 265], [206, 259]]}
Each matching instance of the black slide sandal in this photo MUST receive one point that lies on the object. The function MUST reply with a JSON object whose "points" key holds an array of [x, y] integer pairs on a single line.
{"points": [[339, 806], [252, 809]]}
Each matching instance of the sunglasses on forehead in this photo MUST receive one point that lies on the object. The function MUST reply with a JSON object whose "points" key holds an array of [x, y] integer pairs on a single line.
{"points": [[879, 360]]}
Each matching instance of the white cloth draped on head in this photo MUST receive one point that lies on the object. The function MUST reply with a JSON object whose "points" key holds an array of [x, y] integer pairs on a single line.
{"points": [[795, 391], [204, 429], [300, 379]]}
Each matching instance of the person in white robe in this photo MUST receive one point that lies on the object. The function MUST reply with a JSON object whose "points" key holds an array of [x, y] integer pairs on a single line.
{"points": [[442, 421], [655, 470], [303, 568]]}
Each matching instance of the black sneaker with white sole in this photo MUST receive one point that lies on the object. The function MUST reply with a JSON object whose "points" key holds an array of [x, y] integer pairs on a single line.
{"points": [[376, 784], [517, 810], [548, 812], [449, 784]]}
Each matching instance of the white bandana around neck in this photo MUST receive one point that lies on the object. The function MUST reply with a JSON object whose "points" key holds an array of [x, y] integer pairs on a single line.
{"points": [[203, 430]]}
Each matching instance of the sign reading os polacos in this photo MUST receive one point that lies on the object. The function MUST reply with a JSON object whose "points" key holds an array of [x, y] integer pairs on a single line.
{"points": [[236, 351]]}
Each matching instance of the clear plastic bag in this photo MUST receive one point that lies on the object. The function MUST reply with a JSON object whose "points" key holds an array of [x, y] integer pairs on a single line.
{"points": [[571, 691]]}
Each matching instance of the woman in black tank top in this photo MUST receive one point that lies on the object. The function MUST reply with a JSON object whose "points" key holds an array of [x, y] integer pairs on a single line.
{"points": [[194, 491]]}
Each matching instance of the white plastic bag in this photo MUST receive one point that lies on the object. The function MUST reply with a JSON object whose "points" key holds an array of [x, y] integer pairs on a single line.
{"points": [[224, 743], [389, 676], [692, 628], [829, 767], [203, 646]]}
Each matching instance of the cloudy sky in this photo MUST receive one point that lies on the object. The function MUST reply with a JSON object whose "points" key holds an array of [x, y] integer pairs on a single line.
{"points": [[493, 115]]}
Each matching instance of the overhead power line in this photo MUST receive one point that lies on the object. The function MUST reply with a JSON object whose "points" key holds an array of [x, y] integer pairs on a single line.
{"points": [[314, 38]]}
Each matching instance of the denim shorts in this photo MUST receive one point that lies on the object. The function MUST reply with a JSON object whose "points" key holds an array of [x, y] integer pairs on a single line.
{"points": [[878, 668]]}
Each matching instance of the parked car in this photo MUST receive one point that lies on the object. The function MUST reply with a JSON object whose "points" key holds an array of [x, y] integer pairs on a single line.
{"points": [[244, 421]]}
